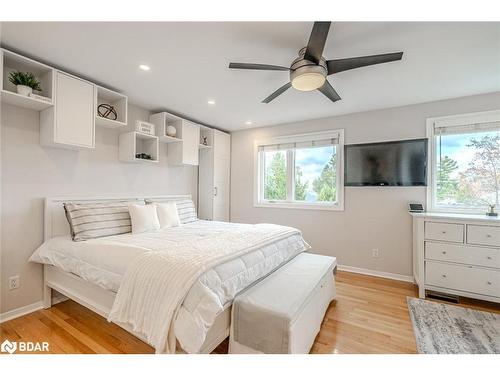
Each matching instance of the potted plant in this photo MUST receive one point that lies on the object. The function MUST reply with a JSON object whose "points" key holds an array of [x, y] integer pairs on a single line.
{"points": [[25, 82]]}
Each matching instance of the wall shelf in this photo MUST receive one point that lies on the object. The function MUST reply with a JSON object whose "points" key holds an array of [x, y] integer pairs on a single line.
{"points": [[117, 100], [203, 147], [169, 139], [132, 143], [10, 62], [28, 102]]}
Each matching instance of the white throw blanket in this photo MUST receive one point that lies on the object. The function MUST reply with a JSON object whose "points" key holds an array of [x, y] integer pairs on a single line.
{"points": [[156, 284]]}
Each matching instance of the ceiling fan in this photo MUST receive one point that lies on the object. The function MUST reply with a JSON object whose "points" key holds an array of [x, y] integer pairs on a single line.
{"points": [[308, 72]]}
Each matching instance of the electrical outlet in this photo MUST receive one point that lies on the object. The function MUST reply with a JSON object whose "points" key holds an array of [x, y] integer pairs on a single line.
{"points": [[14, 282], [375, 253]]}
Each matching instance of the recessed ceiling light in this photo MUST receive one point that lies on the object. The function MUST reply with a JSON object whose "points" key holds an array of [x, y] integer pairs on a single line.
{"points": [[248, 123], [144, 67], [211, 102]]}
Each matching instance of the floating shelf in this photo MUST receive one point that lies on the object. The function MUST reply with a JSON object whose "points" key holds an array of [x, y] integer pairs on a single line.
{"points": [[10, 62], [169, 139], [117, 100], [28, 102], [133, 143], [202, 146]]}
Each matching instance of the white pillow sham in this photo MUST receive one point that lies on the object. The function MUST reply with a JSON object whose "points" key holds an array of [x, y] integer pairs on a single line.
{"points": [[168, 214], [144, 218]]}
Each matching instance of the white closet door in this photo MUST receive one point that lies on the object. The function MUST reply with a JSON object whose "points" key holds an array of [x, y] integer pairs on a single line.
{"points": [[222, 167], [74, 122]]}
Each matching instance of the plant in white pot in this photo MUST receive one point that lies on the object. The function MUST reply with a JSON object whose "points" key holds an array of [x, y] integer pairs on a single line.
{"points": [[25, 82]]}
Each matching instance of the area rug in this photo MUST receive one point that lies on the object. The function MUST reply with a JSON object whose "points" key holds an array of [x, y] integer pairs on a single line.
{"points": [[444, 329]]}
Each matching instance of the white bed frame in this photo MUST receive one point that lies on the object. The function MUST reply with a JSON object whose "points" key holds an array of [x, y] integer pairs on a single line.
{"points": [[92, 296]]}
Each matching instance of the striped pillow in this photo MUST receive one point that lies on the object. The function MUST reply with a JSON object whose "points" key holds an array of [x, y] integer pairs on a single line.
{"points": [[185, 208], [94, 220]]}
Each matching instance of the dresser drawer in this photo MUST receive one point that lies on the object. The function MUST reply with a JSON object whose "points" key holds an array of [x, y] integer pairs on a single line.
{"points": [[478, 256], [444, 232], [465, 278], [483, 235]]}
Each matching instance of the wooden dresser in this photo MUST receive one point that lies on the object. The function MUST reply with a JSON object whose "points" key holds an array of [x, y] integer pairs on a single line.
{"points": [[457, 254]]}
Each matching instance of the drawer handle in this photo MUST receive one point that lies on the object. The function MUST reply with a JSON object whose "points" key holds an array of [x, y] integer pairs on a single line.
{"points": [[488, 258], [488, 236], [489, 282], [444, 252], [443, 275], [444, 232]]}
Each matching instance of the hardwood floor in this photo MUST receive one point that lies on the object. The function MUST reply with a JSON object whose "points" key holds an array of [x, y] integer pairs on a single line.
{"points": [[369, 316]]}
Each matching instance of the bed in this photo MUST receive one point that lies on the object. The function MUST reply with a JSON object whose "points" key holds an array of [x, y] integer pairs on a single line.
{"points": [[91, 272]]}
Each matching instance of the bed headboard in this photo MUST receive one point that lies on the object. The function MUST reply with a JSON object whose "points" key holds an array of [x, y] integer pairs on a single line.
{"points": [[56, 224]]}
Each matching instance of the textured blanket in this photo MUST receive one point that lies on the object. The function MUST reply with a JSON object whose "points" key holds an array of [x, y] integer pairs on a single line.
{"points": [[157, 282]]}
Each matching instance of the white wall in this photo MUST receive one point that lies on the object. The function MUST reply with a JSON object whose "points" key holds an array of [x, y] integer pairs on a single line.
{"points": [[31, 172], [373, 217]]}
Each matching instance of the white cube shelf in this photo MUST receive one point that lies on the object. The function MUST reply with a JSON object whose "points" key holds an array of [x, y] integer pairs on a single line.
{"points": [[10, 62], [118, 101], [133, 143]]}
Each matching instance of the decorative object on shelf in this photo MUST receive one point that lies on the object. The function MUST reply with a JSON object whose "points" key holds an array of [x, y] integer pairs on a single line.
{"points": [[205, 141], [107, 111], [145, 127], [492, 212], [143, 156], [25, 82], [171, 131], [39, 97]]}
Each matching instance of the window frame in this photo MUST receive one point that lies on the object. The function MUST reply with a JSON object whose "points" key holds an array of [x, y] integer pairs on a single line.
{"points": [[258, 189], [450, 121]]}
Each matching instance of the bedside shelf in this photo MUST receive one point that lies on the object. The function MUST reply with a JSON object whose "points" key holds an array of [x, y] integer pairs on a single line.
{"points": [[133, 143], [28, 102]]}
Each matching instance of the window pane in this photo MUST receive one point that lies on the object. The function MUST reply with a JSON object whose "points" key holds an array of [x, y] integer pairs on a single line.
{"points": [[468, 169], [316, 174], [275, 175]]}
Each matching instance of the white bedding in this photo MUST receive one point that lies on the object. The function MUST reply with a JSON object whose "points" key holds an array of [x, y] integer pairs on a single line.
{"points": [[104, 262]]}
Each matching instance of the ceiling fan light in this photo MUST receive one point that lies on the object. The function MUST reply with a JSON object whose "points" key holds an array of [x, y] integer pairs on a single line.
{"points": [[308, 81]]}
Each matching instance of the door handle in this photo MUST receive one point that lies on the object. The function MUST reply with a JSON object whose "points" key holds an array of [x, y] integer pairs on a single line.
{"points": [[215, 191]]}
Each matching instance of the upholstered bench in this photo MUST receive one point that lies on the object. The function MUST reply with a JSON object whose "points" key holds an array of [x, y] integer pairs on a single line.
{"points": [[283, 313]]}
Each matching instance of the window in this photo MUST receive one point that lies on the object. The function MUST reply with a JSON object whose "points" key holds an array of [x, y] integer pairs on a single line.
{"points": [[465, 162], [303, 171]]}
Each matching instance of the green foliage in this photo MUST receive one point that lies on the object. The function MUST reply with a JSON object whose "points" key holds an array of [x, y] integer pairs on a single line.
{"points": [[300, 187], [446, 185], [324, 185], [275, 180], [25, 79], [482, 177]]}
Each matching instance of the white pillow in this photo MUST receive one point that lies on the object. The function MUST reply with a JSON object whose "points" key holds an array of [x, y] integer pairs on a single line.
{"points": [[168, 214], [144, 218]]}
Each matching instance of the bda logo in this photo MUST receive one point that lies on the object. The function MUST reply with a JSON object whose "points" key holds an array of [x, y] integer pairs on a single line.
{"points": [[9, 347]]}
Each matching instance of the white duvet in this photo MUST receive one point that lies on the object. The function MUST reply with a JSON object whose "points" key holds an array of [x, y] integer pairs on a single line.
{"points": [[105, 261]]}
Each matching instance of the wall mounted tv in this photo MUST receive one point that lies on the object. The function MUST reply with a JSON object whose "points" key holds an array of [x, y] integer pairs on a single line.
{"points": [[400, 163]]}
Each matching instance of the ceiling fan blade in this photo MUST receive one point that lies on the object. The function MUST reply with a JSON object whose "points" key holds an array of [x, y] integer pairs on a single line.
{"points": [[277, 93], [339, 65], [256, 66], [317, 41], [329, 92]]}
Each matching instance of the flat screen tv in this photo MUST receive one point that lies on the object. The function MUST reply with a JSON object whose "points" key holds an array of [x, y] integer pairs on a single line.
{"points": [[400, 163]]}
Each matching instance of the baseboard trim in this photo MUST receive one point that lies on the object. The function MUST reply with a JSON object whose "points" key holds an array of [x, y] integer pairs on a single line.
{"points": [[16, 313], [24, 310], [20, 311], [385, 275]]}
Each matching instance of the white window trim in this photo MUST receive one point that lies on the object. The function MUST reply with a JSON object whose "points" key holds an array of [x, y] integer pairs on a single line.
{"points": [[455, 120], [258, 173]]}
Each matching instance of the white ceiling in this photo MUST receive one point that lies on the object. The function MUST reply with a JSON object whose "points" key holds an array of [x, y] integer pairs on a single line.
{"points": [[189, 64]]}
